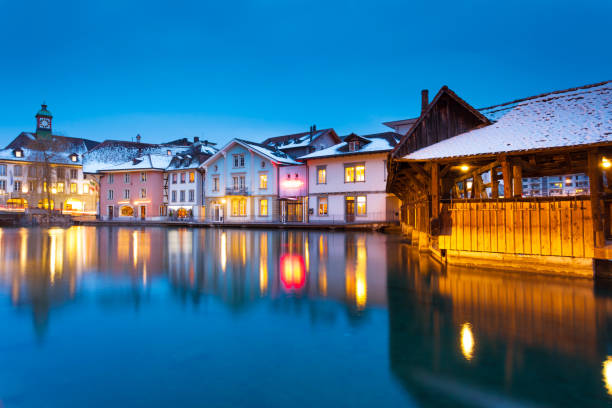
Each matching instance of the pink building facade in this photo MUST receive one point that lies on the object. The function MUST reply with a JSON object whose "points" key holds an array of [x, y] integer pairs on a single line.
{"points": [[134, 190]]}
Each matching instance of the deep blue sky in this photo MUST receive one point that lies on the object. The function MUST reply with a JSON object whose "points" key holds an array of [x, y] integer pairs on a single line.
{"points": [[259, 68]]}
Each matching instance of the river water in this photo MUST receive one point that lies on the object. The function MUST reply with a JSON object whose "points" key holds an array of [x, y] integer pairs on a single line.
{"points": [[160, 317]]}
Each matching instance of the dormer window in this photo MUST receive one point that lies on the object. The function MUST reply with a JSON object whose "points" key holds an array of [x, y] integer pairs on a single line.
{"points": [[18, 153], [74, 157], [353, 146], [169, 152]]}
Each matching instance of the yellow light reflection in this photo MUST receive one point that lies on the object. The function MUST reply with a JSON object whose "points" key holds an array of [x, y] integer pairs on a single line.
{"points": [[263, 263], [223, 251], [607, 374], [361, 284], [467, 341], [306, 254], [135, 247], [323, 280]]}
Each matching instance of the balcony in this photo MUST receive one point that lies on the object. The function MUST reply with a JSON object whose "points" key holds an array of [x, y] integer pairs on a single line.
{"points": [[240, 191]]}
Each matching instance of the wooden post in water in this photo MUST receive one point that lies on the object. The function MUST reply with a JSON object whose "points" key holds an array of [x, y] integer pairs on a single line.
{"points": [[505, 165], [517, 178], [595, 183]]}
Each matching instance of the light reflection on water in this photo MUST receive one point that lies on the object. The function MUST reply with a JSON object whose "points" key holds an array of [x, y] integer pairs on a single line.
{"points": [[358, 311]]}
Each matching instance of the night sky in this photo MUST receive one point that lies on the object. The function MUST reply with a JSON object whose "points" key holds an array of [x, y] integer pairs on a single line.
{"points": [[254, 69]]}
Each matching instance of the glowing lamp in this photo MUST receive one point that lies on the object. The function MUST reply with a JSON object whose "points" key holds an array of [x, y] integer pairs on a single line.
{"points": [[607, 374], [605, 163], [223, 201], [464, 167], [292, 272]]}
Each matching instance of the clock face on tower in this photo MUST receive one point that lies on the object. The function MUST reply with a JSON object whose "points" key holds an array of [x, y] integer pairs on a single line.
{"points": [[44, 123]]}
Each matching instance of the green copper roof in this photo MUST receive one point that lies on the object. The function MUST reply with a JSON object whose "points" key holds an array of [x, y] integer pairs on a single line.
{"points": [[43, 111]]}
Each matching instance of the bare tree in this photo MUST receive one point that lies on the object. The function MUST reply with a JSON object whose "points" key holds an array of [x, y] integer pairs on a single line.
{"points": [[46, 152]]}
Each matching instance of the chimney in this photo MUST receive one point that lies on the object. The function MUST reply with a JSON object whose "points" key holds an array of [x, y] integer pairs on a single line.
{"points": [[424, 100], [196, 139], [138, 138], [313, 129]]}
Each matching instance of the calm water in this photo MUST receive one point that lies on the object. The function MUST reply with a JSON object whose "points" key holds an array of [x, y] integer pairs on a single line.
{"points": [[98, 317]]}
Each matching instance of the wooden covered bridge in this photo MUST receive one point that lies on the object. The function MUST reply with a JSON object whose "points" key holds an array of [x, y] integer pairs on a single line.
{"points": [[460, 174]]}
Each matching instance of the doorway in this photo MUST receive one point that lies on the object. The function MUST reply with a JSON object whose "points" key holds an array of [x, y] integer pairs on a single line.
{"points": [[295, 211], [143, 212], [349, 207], [110, 212], [217, 213]]}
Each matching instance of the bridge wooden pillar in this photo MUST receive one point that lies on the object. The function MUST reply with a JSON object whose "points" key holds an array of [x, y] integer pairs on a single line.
{"points": [[507, 177], [435, 190], [595, 182], [517, 181], [494, 183]]}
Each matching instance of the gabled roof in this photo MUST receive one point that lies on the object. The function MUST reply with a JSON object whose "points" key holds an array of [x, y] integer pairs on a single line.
{"points": [[193, 157], [374, 143], [445, 90], [276, 156], [572, 117], [299, 139]]}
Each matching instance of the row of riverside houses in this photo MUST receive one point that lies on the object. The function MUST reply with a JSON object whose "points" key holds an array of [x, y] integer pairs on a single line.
{"points": [[313, 176]]}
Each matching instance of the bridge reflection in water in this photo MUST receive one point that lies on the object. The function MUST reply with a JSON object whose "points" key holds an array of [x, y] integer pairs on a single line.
{"points": [[454, 335], [498, 338]]}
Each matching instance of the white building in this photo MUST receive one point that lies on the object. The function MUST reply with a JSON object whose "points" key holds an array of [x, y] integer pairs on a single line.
{"points": [[347, 182], [241, 182], [185, 182]]}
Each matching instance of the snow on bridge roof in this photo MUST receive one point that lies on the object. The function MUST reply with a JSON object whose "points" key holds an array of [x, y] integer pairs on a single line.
{"points": [[578, 116]]}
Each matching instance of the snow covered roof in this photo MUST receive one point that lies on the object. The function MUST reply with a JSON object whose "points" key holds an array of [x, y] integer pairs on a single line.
{"points": [[192, 158], [276, 156], [578, 116], [374, 143], [297, 139], [113, 152], [60, 149], [144, 162]]}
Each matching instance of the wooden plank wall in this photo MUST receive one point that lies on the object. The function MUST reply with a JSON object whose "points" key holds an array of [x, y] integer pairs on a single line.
{"points": [[555, 227]]}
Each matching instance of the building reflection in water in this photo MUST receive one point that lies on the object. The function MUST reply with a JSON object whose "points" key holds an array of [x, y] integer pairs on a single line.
{"points": [[457, 331]]}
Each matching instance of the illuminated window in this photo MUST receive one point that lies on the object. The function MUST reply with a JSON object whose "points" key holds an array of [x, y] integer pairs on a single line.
{"points": [[143, 193], [239, 207], [354, 173], [321, 175], [263, 207], [18, 153], [73, 157], [263, 181], [73, 188], [85, 188], [127, 211], [143, 176], [361, 205], [191, 176], [322, 205], [60, 187]]}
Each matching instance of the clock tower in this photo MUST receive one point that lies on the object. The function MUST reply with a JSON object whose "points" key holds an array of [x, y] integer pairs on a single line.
{"points": [[43, 122]]}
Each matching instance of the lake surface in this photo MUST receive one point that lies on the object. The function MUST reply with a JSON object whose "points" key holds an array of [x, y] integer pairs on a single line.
{"points": [[154, 317]]}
